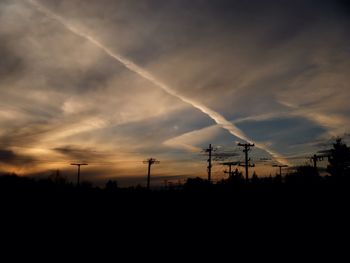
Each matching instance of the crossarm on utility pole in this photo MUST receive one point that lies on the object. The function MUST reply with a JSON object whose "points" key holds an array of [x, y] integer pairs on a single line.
{"points": [[150, 162], [78, 176]]}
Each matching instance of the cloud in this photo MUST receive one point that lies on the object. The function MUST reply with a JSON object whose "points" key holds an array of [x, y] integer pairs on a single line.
{"points": [[260, 64], [11, 64], [79, 154], [6, 155], [11, 160]]}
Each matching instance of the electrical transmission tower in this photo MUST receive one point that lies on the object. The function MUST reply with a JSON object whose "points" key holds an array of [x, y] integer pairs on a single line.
{"points": [[209, 151], [246, 149], [78, 164], [280, 166], [150, 162]]}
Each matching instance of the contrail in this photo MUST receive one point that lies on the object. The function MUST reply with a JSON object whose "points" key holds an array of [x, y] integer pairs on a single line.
{"points": [[215, 116]]}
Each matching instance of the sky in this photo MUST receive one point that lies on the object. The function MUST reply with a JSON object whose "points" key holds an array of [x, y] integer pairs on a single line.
{"points": [[114, 82]]}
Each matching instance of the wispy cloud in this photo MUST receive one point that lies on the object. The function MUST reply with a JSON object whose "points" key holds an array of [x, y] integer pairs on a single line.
{"points": [[254, 67]]}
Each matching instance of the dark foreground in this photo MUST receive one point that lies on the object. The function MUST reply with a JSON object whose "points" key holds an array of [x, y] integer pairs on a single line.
{"points": [[261, 200], [291, 219]]}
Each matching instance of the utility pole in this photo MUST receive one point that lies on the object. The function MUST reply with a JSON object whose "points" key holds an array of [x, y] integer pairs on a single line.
{"points": [[280, 166], [230, 164], [78, 164], [246, 149], [315, 158], [209, 151], [150, 162]]}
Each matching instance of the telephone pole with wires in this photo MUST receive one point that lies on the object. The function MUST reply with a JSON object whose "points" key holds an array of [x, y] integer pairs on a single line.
{"points": [[316, 158], [150, 162], [209, 151], [280, 166], [230, 164], [246, 149]]}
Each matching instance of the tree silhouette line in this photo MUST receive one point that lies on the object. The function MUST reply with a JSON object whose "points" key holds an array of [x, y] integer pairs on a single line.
{"points": [[307, 177]]}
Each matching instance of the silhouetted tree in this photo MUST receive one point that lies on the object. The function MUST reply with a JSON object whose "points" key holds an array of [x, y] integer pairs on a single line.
{"points": [[57, 178], [196, 184], [255, 178], [304, 175], [111, 185], [339, 160], [86, 185], [277, 179], [237, 177]]}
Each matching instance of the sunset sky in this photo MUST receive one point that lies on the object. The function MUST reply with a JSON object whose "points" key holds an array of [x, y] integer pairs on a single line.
{"points": [[114, 82]]}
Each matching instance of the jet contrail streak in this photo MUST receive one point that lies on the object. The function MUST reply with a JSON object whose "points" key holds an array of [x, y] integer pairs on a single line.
{"points": [[215, 116]]}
